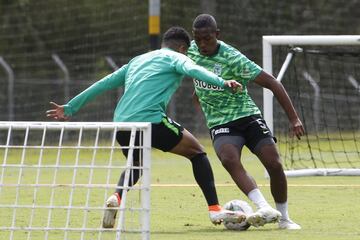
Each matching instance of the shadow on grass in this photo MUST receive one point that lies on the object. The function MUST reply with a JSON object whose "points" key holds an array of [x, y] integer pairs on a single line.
{"points": [[208, 230]]}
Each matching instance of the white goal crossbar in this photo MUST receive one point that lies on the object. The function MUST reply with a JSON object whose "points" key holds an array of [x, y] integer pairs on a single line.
{"points": [[268, 42], [56, 176]]}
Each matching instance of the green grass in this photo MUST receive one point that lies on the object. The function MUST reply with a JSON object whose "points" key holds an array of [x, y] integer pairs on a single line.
{"points": [[326, 207], [325, 210]]}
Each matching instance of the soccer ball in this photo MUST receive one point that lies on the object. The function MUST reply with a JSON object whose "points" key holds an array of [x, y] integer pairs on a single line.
{"points": [[238, 205]]}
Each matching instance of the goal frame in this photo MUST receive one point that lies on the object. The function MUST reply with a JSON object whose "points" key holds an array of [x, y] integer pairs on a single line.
{"points": [[268, 41], [145, 127]]}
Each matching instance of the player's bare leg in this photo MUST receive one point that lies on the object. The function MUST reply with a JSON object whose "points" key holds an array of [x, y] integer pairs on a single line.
{"points": [[230, 155], [270, 158]]}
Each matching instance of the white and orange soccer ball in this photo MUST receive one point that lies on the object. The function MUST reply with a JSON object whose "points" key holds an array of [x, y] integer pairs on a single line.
{"points": [[238, 205]]}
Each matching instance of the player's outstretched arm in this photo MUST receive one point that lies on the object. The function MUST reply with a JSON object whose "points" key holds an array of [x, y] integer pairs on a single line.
{"points": [[268, 81], [56, 112]]}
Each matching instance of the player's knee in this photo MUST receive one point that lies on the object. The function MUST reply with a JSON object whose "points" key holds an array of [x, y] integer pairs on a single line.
{"points": [[274, 167], [192, 148], [229, 161], [194, 151], [197, 147]]}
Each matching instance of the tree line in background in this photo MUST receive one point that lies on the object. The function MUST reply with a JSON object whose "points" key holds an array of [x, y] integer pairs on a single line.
{"points": [[85, 34]]}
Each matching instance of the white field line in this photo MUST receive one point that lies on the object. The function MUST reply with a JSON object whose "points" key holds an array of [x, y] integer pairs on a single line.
{"points": [[165, 185], [261, 185]]}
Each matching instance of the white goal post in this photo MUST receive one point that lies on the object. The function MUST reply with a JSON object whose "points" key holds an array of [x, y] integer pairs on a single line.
{"points": [[268, 43], [56, 176]]}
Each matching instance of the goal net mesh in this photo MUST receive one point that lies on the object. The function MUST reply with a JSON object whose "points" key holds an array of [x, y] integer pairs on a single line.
{"points": [[324, 85], [56, 177]]}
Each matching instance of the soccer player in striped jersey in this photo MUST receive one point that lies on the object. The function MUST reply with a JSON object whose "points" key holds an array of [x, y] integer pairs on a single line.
{"points": [[234, 120], [149, 81]]}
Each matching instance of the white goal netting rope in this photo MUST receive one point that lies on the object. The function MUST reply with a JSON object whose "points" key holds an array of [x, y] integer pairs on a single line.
{"points": [[322, 77], [56, 177]]}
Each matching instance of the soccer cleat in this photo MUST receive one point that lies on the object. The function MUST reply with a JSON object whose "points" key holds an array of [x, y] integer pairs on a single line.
{"points": [[110, 214], [288, 224], [217, 217], [263, 216]]}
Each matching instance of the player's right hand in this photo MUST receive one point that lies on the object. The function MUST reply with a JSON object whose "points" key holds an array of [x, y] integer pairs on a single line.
{"points": [[235, 86], [57, 112], [297, 128]]}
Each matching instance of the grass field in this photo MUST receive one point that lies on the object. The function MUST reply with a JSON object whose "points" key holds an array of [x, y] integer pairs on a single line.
{"points": [[326, 207]]}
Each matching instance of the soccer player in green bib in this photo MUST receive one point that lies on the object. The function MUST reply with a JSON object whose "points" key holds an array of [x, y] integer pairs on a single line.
{"points": [[235, 121], [149, 80]]}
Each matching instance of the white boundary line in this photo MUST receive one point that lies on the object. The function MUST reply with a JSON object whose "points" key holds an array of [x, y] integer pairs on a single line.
{"points": [[164, 185], [260, 185]]}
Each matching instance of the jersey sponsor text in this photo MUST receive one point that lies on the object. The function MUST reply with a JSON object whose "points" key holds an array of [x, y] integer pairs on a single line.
{"points": [[207, 86]]}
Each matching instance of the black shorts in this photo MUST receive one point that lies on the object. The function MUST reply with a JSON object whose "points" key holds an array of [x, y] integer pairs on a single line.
{"points": [[164, 136], [250, 131]]}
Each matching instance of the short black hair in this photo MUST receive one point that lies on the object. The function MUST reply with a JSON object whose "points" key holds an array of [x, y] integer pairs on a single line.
{"points": [[176, 35], [205, 21]]}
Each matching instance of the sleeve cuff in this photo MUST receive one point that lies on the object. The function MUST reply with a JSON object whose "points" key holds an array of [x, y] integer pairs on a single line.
{"points": [[222, 82], [67, 110]]}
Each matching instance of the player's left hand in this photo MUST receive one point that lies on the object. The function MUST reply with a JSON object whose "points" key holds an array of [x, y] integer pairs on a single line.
{"points": [[235, 86], [57, 112], [297, 128]]}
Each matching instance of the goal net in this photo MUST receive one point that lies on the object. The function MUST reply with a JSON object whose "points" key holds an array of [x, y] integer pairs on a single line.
{"points": [[322, 77], [55, 178]]}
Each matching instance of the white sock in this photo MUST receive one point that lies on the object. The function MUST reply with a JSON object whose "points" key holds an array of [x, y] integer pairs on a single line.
{"points": [[283, 209], [257, 198]]}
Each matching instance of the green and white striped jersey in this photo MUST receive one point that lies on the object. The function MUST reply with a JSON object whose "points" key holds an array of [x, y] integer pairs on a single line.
{"points": [[221, 106]]}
